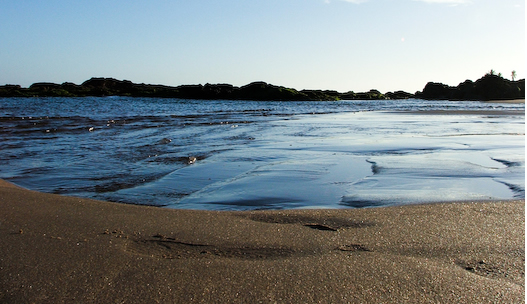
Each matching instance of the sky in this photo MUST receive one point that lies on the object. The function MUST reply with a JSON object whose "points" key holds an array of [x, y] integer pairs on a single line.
{"points": [[343, 45]]}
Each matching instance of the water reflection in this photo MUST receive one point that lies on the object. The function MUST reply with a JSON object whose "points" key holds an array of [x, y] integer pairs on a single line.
{"points": [[263, 155]]}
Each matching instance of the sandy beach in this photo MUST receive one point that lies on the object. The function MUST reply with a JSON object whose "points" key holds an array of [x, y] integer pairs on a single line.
{"points": [[58, 249]]}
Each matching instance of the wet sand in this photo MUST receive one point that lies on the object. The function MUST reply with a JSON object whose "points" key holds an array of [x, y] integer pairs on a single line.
{"points": [[469, 112], [507, 101], [57, 249]]}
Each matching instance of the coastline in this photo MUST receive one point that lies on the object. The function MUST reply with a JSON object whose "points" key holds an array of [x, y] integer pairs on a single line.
{"points": [[67, 249]]}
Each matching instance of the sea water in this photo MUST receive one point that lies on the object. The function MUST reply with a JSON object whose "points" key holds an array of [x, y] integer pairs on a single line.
{"points": [[265, 154]]}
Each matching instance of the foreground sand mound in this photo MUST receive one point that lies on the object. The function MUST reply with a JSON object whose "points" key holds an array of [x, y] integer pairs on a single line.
{"points": [[57, 249]]}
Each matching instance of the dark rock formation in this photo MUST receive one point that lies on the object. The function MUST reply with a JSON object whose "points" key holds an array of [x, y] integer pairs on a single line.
{"points": [[10, 90], [218, 91], [322, 94], [435, 90], [487, 88], [399, 95], [263, 91], [113, 87], [371, 95], [495, 87]]}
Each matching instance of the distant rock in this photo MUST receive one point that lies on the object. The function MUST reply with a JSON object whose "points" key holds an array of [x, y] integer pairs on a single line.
{"points": [[371, 95], [487, 88], [262, 91], [11, 90], [492, 87], [434, 90], [399, 95], [107, 86], [322, 95], [219, 91]]}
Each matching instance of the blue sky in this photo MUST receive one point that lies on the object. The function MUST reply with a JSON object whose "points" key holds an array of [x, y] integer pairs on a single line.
{"points": [[341, 45]]}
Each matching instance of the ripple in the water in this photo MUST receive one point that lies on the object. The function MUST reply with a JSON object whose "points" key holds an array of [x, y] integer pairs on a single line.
{"points": [[238, 155]]}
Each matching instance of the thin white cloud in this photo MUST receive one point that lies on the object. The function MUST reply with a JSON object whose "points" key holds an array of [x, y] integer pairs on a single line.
{"points": [[452, 2], [449, 2], [355, 1]]}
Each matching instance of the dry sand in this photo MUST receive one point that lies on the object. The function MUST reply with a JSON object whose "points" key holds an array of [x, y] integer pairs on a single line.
{"points": [[57, 249]]}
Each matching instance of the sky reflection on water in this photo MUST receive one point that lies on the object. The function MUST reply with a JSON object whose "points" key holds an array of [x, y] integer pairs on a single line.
{"points": [[263, 155]]}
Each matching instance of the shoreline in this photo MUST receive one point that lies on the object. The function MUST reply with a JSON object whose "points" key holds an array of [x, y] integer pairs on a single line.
{"points": [[67, 249]]}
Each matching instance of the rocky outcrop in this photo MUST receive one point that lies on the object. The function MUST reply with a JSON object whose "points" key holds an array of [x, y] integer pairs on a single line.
{"points": [[399, 95], [495, 87], [322, 94], [113, 87], [488, 87], [264, 91]]}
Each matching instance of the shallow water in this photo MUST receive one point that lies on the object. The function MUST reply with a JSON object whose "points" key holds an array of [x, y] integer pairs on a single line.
{"points": [[262, 155]]}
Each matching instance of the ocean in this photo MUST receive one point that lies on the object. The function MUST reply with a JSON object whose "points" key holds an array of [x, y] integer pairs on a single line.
{"points": [[248, 155]]}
